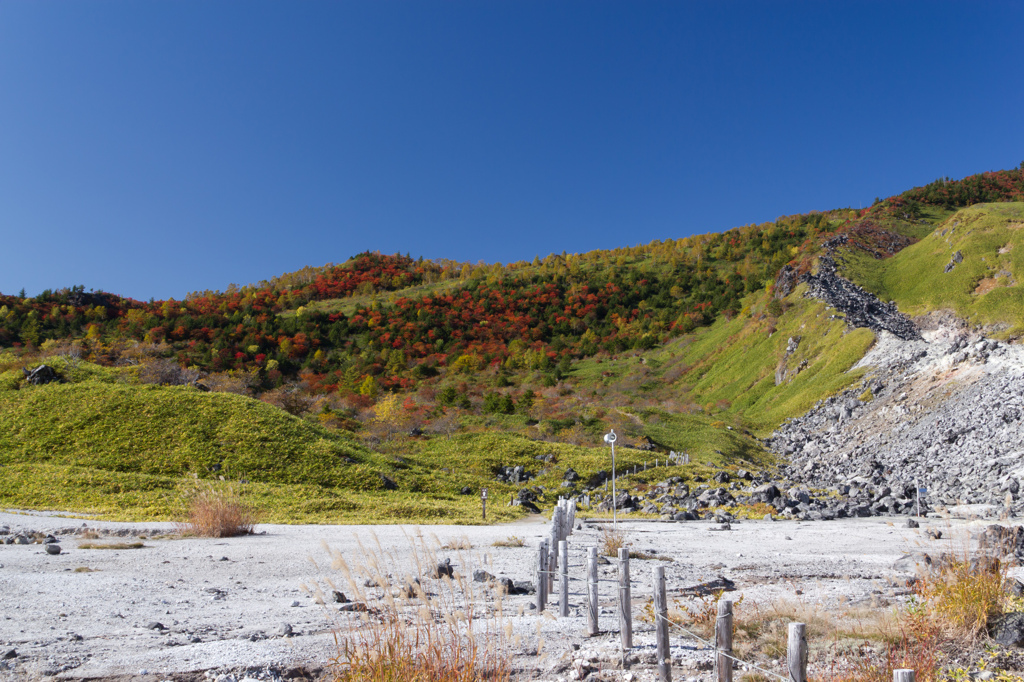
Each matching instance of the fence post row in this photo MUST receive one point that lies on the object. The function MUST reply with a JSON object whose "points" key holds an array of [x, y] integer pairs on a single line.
{"points": [[723, 641], [661, 625], [625, 600]]}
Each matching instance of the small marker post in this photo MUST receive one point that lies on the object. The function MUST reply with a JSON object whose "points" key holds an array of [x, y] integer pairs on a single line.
{"points": [[483, 502]]}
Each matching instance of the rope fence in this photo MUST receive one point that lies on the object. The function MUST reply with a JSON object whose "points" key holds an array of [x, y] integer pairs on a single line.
{"points": [[553, 561]]}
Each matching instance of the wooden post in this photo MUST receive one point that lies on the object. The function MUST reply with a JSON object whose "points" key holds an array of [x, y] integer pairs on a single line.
{"points": [[661, 625], [796, 654], [483, 502], [552, 567], [563, 521], [556, 530], [625, 601], [563, 597], [592, 628], [542, 583], [570, 509], [903, 675], [723, 641]]}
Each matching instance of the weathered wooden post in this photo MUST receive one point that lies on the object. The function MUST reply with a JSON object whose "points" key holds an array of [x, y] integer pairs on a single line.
{"points": [[592, 628], [661, 625], [723, 641], [625, 600], [903, 675], [542, 583], [483, 502], [563, 597], [556, 530], [796, 653], [552, 567]]}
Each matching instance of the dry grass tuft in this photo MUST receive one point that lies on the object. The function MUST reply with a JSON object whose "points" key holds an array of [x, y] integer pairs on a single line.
{"points": [[612, 540], [416, 628], [217, 513], [457, 544], [510, 541], [110, 545], [963, 595], [954, 603], [85, 569]]}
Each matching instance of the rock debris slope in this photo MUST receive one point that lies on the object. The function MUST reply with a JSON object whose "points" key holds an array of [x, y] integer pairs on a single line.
{"points": [[940, 409]]}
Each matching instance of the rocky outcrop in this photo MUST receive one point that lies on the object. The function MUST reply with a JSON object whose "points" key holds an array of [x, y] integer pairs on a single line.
{"points": [[43, 374], [860, 308]]}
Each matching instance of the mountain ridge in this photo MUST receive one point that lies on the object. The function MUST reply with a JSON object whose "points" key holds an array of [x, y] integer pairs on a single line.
{"points": [[698, 345]]}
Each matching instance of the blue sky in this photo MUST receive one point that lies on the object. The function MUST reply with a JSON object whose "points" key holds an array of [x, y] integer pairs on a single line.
{"points": [[155, 148]]}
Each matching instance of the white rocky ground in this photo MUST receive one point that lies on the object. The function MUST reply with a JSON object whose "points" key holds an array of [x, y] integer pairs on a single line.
{"points": [[946, 414], [224, 604]]}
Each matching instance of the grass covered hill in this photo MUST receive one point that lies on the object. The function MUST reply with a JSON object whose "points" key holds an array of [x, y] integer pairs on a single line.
{"points": [[385, 387]]}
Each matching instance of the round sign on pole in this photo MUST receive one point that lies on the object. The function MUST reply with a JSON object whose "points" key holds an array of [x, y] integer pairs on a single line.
{"points": [[610, 438]]}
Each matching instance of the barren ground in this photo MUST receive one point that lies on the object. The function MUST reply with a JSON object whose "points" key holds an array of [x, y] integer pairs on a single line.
{"points": [[223, 603]]}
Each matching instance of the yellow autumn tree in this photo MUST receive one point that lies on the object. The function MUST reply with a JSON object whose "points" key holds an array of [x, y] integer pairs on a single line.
{"points": [[389, 417]]}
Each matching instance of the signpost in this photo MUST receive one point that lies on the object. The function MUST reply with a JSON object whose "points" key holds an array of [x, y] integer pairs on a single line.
{"points": [[610, 438], [483, 501]]}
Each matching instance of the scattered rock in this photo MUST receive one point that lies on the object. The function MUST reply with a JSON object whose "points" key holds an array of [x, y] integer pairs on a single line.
{"points": [[43, 374], [52, 549], [284, 630], [719, 584], [444, 569], [155, 625], [1009, 630]]}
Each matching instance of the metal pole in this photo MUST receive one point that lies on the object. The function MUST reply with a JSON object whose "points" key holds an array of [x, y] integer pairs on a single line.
{"points": [[614, 515]]}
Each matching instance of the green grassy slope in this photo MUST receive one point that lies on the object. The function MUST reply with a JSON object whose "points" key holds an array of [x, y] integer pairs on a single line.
{"points": [[983, 289], [728, 369], [737, 361], [174, 431], [117, 449]]}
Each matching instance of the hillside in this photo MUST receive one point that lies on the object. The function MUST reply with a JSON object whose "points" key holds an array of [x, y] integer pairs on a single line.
{"points": [[326, 388]]}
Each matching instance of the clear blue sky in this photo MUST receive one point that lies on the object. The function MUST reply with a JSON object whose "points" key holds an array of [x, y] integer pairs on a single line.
{"points": [[154, 148]]}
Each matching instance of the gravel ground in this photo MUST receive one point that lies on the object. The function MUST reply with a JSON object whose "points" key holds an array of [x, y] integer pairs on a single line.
{"points": [[223, 604]]}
